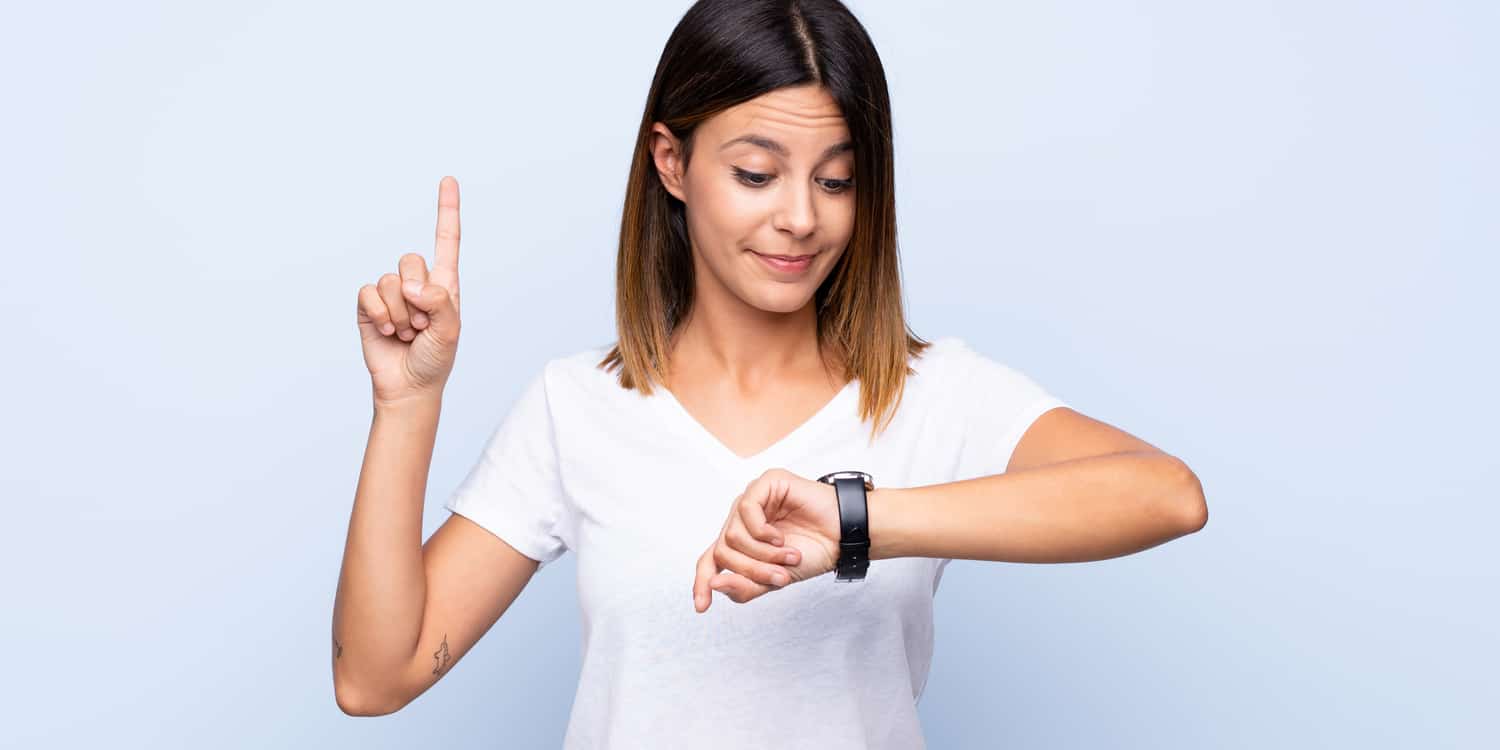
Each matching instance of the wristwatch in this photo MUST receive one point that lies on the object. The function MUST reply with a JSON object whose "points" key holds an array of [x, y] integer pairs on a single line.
{"points": [[854, 522]]}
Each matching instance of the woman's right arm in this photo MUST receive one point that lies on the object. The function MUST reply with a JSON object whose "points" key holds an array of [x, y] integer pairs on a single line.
{"points": [[405, 613]]}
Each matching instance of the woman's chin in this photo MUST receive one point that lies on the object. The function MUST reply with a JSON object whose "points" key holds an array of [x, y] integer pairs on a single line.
{"points": [[779, 298]]}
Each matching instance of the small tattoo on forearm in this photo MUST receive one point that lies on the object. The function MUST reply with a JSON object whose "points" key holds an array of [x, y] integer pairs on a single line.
{"points": [[441, 656], [338, 648]]}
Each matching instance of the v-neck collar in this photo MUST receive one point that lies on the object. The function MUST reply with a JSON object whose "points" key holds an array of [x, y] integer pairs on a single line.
{"points": [[776, 452]]}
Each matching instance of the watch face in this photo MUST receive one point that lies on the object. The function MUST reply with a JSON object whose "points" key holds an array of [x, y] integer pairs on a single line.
{"points": [[860, 475]]}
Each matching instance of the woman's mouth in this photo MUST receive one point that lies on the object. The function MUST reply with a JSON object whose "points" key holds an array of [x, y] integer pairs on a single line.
{"points": [[786, 264]]}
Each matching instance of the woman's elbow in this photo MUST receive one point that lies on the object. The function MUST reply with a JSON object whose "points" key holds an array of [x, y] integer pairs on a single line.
{"points": [[1194, 504]]}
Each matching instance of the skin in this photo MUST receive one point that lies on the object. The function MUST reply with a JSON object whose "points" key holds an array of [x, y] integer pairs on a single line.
{"points": [[745, 362], [746, 366]]}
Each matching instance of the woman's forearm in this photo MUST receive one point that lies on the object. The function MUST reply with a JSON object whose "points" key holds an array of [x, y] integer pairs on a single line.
{"points": [[1073, 511], [378, 610]]}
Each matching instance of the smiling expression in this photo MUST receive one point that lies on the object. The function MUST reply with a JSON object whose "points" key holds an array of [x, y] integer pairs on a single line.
{"points": [[773, 176]]}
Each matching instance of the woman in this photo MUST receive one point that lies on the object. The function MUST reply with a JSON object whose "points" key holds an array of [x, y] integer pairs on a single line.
{"points": [[761, 344]]}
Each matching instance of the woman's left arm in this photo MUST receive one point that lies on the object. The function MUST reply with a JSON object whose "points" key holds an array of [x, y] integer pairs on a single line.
{"points": [[1076, 489]]}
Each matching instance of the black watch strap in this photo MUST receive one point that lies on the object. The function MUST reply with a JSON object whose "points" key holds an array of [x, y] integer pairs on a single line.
{"points": [[854, 523]]}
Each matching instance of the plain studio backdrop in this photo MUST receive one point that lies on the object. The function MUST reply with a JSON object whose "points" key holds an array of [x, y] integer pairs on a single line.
{"points": [[1258, 235]]}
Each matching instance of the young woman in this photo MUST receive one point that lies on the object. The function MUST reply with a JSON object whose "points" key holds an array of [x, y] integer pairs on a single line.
{"points": [[761, 345]]}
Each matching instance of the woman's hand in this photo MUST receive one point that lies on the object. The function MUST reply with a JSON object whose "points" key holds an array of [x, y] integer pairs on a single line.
{"points": [[408, 323], [781, 525]]}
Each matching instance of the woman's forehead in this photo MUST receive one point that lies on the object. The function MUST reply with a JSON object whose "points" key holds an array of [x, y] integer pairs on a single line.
{"points": [[787, 121]]}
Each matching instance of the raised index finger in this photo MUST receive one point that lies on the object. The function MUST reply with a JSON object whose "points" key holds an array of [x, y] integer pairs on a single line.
{"points": [[445, 256]]}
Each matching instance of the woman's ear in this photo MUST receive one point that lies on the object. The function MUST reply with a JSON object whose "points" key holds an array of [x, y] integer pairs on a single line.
{"points": [[666, 152]]}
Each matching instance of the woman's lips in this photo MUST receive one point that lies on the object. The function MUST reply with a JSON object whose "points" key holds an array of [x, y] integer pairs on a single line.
{"points": [[784, 265]]}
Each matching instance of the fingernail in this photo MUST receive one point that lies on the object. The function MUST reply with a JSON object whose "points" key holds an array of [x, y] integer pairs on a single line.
{"points": [[413, 287], [779, 579], [791, 557]]}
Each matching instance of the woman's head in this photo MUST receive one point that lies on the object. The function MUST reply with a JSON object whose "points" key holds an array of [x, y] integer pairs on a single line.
{"points": [[773, 176], [804, 76]]}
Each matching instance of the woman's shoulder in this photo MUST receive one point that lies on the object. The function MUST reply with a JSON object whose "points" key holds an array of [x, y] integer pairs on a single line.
{"points": [[952, 362], [578, 365], [941, 355], [954, 351], [580, 372], [970, 374]]}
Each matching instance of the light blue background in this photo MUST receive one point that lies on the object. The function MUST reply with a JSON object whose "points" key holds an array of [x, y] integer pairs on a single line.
{"points": [[1258, 235]]}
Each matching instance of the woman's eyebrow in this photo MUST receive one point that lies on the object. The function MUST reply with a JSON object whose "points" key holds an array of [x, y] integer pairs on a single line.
{"points": [[776, 147]]}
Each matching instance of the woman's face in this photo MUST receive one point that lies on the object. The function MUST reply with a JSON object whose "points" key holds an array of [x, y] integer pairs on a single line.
{"points": [[771, 176]]}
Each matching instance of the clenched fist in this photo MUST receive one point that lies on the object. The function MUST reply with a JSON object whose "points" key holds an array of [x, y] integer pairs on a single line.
{"points": [[782, 529], [408, 321]]}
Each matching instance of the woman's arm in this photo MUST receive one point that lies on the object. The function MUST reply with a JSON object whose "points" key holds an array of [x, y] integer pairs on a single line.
{"points": [[1075, 510], [406, 612], [1074, 489], [377, 611]]}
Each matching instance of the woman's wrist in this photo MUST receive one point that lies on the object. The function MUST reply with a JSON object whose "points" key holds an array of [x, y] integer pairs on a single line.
{"points": [[886, 511], [423, 404]]}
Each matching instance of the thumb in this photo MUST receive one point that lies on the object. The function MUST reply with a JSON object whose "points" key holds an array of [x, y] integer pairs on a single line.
{"points": [[434, 300]]}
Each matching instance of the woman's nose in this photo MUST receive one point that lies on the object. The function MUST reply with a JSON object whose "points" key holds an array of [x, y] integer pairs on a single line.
{"points": [[796, 214]]}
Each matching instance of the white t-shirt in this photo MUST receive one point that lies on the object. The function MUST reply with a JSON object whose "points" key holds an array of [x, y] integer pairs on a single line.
{"points": [[639, 489]]}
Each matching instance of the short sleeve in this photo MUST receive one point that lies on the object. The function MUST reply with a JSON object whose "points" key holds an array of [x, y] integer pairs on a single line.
{"points": [[514, 490], [995, 405]]}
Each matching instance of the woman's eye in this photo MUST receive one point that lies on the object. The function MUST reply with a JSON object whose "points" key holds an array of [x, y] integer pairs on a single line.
{"points": [[753, 179], [838, 186], [756, 179]]}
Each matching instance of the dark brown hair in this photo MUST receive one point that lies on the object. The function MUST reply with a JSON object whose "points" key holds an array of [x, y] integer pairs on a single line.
{"points": [[723, 53]]}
